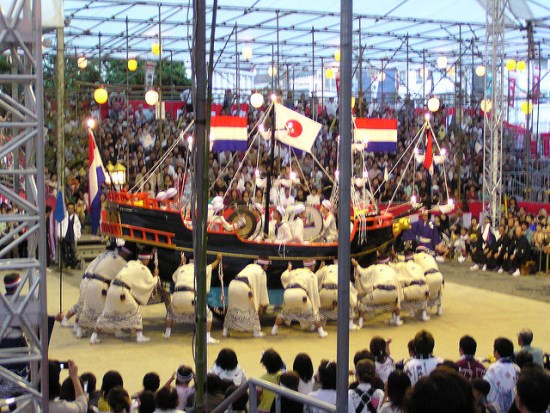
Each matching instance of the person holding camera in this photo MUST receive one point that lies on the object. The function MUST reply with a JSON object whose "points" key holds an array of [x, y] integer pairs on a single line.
{"points": [[80, 405]]}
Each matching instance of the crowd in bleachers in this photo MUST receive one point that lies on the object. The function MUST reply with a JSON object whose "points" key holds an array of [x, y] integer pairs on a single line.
{"points": [[422, 382]]}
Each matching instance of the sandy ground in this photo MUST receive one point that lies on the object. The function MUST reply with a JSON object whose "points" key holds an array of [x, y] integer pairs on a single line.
{"points": [[485, 305]]}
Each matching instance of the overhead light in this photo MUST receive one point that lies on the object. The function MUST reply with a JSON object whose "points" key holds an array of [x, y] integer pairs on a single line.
{"points": [[442, 62], [480, 71], [101, 95], [433, 104], [155, 48], [256, 100], [247, 53], [151, 97], [82, 62], [132, 65]]}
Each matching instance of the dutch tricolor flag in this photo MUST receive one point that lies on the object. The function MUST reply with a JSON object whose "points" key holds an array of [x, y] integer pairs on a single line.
{"points": [[96, 178], [228, 133], [379, 135]]}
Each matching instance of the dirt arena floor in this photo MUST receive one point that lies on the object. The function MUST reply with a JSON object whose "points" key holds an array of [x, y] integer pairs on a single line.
{"points": [[483, 304]]}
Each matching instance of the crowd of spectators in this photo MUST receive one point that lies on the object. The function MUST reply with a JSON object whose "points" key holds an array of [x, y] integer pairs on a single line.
{"points": [[422, 382], [522, 241]]}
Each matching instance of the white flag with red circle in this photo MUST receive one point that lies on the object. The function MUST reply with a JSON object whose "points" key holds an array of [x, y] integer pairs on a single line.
{"points": [[294, 129]]}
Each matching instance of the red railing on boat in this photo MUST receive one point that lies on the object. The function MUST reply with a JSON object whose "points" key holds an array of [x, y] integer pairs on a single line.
{"points": [[138, 233]]}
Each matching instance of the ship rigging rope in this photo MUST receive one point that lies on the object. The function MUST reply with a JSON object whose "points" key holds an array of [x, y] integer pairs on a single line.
{"points": [[230, 162], [444, 169], [157, 165], [417, 139]]}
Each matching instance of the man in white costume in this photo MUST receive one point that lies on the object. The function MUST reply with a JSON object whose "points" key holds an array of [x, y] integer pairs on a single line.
{"points": [[77, 307], [216, 221], [247, 299], [330, 232], [182, 309], [433, 278], [415, 290], [131, 288], [279, 230], [301, 298], [297, 223], [327, 282], [93, 289], [378, 289]]}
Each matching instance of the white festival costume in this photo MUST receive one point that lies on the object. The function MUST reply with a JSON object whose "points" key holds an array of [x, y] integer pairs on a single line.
{"points": [[182, 309], [433, 278], [414, 289], [377, 288], [242, 310], [101, 274], [77, 307], [327, 281], [330, 231], [131, 287], [301, 296]]}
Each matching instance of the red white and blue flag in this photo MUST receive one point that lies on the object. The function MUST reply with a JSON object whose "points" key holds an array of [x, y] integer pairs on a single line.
{"points": [[96, 178], [380, 135], [294, 129], [228, 133]]}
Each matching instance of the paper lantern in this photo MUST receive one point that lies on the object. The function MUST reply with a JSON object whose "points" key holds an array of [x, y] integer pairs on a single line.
{"points": [[521, 65], [337, 55], [480, 71], [329, 73], [82, 63], [511, 65], [256, 100], [381, 76], [442, 62], [100, 95], [151, 97], [433, 104], [352, 102], [272, 71], [247, 53], [486, 105], [132, 65], [155, 48], [526, 107]]}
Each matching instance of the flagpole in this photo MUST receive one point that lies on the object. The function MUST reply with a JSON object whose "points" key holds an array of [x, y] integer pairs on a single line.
{"points": [[270, 172], [60, 124]]}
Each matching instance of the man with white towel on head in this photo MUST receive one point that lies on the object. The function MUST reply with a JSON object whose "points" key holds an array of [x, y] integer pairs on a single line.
{"points": [[301, 298], [182, 309], [131, 288], [296, 223], [247, 299], [330, 231]]}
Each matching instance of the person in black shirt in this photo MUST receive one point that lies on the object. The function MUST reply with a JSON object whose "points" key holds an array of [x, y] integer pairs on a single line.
{"points": [[517, 254]]}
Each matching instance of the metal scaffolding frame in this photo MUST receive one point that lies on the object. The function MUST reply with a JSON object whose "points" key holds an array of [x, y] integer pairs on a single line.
{"points": [[492, 132], [258, 26], [22, 139]]}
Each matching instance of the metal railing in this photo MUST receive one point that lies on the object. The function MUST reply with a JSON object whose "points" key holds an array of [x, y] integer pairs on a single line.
{"points": [[279, 391]]}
